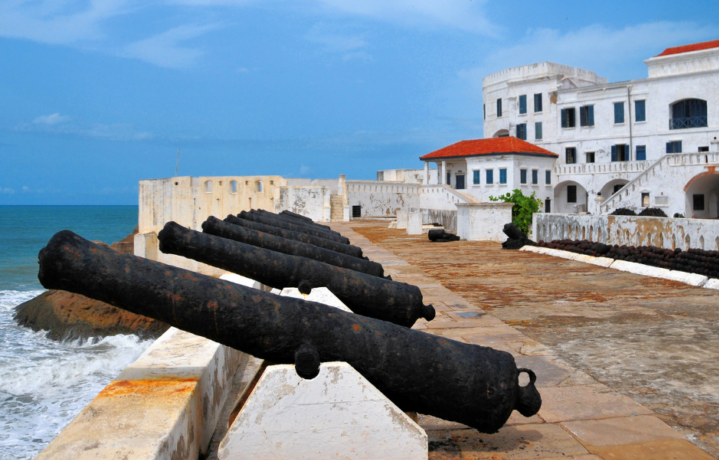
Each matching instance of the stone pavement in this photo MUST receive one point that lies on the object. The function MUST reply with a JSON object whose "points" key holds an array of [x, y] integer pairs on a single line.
{"points": [[485, 295]]}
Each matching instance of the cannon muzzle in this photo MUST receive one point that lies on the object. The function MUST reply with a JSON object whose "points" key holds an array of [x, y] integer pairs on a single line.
{"points": [[364, 294], [269, 219], [466, 383]]}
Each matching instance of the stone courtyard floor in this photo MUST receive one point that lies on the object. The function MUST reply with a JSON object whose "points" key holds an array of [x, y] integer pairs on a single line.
{"points": [[627, 366]]}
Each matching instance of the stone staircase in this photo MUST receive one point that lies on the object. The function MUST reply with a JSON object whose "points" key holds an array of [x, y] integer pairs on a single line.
{"points": [[336, 208]]}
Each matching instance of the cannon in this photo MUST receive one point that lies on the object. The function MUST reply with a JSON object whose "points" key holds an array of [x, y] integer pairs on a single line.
{"points": [[298, 216], [214, 226], [429, 374], [364, 294], [277, 222], [348, 249], [292, 220], [516, 239], [441, 236]]}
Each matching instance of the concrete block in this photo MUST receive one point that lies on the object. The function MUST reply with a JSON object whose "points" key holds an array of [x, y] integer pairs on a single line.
{"points": [[712, 284], [483, 221], [639, 269], [692, 279], [164, 405], [239, 279], [338, 414], [402, 219], [531, 249], [414, 223], [601, 261], [319, 295]]}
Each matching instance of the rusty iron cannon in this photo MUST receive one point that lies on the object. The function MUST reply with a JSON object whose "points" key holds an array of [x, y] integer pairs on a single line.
{"points": [[348, 249], [364, 294], [298, 216], [214, 226], [429, 374], [277, 222], [298, 220]]}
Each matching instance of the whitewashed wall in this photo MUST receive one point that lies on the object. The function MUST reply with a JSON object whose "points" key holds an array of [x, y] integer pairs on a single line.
{"points": [[382, 199], [308, 201]]}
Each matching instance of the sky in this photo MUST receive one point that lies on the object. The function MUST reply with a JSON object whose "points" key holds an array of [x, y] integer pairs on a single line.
{"points": [[96, 95]]}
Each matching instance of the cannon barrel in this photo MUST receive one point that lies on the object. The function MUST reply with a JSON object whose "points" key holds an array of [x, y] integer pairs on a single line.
{"points": [[298, 216], [300, 219], [214, 226], [348, 249], [293, 221], [470, 384], [277, 222], [364, 294]]}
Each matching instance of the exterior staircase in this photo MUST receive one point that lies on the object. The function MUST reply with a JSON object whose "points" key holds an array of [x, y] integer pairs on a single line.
{"points": [[336, 208]]}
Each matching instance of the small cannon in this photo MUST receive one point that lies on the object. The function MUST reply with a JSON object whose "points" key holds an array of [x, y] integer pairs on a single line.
{"points": [[441, 236], [277, 222], [350, 250], [516, 239], [366, 295], [214, 226], [298, 216], [429, 374], [292, 220]]}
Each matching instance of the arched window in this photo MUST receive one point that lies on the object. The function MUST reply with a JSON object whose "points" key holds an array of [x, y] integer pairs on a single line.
{"points": [[689, 113], [208, 186]]}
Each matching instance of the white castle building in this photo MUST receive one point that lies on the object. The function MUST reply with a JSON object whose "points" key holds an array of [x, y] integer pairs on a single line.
{"points": [[641, 143]]}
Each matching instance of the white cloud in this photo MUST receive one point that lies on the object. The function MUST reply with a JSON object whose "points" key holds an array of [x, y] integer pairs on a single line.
{"points": [[7, 191], [52, 119], [336, 40], [595, 47], [305, 169], [164, 49]]}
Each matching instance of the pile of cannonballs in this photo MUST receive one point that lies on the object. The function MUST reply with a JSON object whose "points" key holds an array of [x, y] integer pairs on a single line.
{"points": [[690, 261]]}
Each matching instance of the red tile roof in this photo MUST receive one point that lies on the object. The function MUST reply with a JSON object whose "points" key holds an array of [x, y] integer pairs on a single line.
{"points": [[496, 146], [689, 48]]}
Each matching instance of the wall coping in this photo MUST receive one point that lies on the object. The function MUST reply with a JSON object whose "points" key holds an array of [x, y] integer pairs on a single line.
{"points": [[484, 204]]}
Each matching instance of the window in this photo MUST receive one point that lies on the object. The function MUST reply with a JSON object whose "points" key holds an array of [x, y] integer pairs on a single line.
{"points": [[537, 103], [522, 176], [356, 211], [490, 176], [674, 147], [586, 115], [698, 202], [475, 177], [568, 118], [503, 176], [449, 178], [570, 155], [641, 154], [571, 193], [535, 176], [640, 112], [522, 104], [499, 107], [538, 131], [617, 188], [645, 200], [547, 205], [620, 153], [547, 177], [233, 186], [618, 113], [208, 186], [590, 157], [522, 131], [484, 111], [259, 187], [704, 149], [689, 113]]}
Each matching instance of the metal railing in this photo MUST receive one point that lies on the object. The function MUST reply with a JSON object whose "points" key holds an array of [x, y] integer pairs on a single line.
{"points": [[688, 122]]}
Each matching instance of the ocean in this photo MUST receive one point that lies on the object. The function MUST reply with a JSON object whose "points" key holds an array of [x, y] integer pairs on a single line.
{"points": [[44, 383]]}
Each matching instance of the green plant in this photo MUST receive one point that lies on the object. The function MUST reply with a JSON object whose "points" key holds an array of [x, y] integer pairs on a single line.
{"points": [[524, 207]]}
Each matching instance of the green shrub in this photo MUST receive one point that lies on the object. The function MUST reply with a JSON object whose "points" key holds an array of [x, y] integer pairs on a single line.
{"points": [[524, 207]]}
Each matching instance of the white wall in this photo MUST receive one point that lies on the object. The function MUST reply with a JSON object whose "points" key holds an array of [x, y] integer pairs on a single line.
{"points": [[382, 199], [308, 201]]}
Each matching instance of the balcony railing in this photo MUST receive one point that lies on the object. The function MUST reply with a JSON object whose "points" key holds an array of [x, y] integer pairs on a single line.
{"points": [[688, 122]]}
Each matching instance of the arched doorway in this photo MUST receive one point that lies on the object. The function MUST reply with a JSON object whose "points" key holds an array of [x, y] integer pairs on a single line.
{"points": [[570, 198], [612, 187], [702, 196]]}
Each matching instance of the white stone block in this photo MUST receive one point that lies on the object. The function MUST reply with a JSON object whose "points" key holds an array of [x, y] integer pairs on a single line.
{"points": [[483, 221], [402, 219], [239, 279], [531, 249], [319, 295], [712, 284], [693, 279], [338, 414], [414, 223], [601, 261]]}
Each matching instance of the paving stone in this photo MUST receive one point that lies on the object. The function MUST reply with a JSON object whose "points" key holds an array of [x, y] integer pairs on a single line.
{"points": [[586, 403], [549, 374], [625, 430], [668, 449]]}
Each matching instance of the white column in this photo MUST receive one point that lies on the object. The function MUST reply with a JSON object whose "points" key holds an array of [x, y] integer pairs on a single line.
{"points": [[443, 179], [426, 173]]}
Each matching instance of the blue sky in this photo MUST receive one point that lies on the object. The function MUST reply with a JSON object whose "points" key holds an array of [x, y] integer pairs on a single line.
{"points": [[98, 94]]}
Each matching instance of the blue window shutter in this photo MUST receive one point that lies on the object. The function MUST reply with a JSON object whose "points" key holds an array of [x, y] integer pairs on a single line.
{"points": [[614, 153], [476, 177], [590, 115], [583, 116], [641, 152], [548, 176], [535, 176], [490, 176], [523, 104], [678, 147], [669, 147], [564, 118], [640, 109]]}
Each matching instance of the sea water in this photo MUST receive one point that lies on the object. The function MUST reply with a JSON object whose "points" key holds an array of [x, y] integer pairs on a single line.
{"points": [[44, 384]]}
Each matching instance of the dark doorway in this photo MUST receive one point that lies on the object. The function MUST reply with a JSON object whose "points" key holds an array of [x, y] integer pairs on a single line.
{"points": [[459, 180], [356, 211], [547, 205]]}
